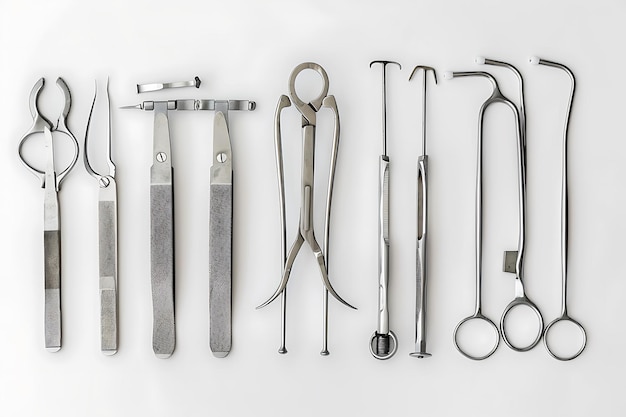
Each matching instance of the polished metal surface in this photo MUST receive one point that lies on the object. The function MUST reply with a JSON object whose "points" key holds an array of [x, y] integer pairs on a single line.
{"points": [[144, 88], [107, 237], [520, 298], [422, 233], [383, 343], [50, 180], [564, 316], [305, 230]]}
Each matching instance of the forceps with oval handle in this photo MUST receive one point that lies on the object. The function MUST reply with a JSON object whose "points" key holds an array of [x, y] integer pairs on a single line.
{"points": [[107, 237], [51, 182], [516, 264], [305, 230], [564, 316]]}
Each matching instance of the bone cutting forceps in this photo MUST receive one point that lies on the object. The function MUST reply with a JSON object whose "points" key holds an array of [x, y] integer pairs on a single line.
{"points": [[107, 238], [422, 223], [383, 343], [563, 317], [306, 230], [520, 297], [51, 182]]}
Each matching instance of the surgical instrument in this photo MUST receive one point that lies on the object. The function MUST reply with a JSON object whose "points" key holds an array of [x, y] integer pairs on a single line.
{"points": [[144, 88], [107, 236], [162, 224], [564, 316], [51, 182], [422, 223], [520, 297], [306, 228], [514, 260], [383, 343]]}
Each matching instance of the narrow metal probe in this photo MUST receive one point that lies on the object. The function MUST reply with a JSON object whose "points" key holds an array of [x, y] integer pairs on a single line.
{"points": [[144, 88]]}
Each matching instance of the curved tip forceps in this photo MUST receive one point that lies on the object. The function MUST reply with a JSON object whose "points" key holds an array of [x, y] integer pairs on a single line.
{"points": [[513, 259], [563, 317], [51, 182], [306, 230], [107, 231]]}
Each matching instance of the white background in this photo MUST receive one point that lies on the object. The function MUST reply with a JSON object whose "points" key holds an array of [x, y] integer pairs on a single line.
{"points": [[246, 50]]}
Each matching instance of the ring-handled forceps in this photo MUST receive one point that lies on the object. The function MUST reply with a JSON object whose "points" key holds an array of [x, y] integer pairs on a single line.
{"points": [[383, 343], [520, 298], [306, 230], [422, 223], [51, 182], [107, 237], [564, 316]]}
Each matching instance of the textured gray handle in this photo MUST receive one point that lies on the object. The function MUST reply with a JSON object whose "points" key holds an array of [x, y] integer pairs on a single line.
{"points": [[162, 269], [52, 283], [107, 232], [220, 269]]}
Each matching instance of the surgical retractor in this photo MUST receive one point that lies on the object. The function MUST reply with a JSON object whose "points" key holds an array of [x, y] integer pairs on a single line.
{"points": [[107, 237], [383, 343], [422, 223], [305, 231], [520, 297], [564, 316]]}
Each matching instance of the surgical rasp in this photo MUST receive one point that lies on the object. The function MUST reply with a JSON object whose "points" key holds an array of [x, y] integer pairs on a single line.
{"points": [[422, 223], [564, 316], [306, 230], [107, 237], [383, 343], [162, 226], [51, 182]]}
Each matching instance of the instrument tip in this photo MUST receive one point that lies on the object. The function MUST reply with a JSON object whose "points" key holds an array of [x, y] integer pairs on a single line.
{"points": [[534, 60]]}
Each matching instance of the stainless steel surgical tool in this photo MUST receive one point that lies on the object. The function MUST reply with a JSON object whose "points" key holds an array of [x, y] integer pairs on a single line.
{"points": [[564, 316], [144, 88], [422, 223], [51, 182], [520, 298], [162, 224], [107, 237], [383, 343], [306, 230]]}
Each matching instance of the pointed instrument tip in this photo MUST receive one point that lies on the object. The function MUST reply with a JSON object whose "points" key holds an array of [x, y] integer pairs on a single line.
{"points": [[136, 106]]}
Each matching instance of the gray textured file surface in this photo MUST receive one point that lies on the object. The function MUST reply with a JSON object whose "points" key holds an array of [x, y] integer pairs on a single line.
{"points": [[162, 266], [108, 275], [52, 278], [220, 269]]}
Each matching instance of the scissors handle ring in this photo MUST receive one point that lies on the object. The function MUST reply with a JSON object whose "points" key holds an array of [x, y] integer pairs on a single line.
{"points": [[317, 102], [41, 174], [564, 318], [521, 301], [476, 316], [374, 342]]}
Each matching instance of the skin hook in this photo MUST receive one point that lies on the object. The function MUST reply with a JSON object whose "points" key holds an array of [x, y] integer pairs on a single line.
{"points": [[563, 317]]}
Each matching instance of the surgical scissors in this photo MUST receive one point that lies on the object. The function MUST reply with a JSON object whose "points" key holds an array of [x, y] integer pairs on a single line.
{"points": [[563, 317], [520, 298], [107, 231], [51, 182], [306, 231]]}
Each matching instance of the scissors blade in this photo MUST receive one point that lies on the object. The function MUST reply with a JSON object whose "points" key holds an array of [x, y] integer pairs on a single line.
{"points": [[107, 235], [162, 237], [220, 240], [52, 252]]}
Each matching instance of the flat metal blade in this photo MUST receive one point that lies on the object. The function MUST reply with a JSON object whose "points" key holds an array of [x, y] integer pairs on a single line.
{"points": [[220, 241]]}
